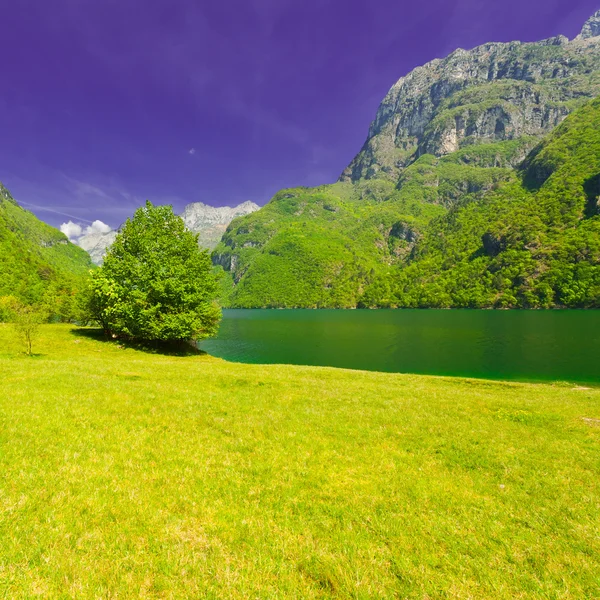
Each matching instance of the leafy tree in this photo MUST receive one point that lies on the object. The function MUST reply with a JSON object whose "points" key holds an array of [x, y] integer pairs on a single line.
{"points": [[26, 320], [156, 283], [60, 303]]}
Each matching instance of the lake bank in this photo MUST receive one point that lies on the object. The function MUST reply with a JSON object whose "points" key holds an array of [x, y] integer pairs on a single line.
{"points": [[144, 475]]}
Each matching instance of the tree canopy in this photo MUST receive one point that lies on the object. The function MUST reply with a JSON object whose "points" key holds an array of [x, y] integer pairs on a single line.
{"points": [[156, 283]]}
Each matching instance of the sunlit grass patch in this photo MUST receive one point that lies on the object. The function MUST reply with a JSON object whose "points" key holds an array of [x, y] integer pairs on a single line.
{"points": [[135, 474]]}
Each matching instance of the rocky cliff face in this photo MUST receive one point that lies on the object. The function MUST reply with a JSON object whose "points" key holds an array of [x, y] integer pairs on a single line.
{"points": [[493, 93], [208, 221], [592, 27], [96, 244], [211, 222]]}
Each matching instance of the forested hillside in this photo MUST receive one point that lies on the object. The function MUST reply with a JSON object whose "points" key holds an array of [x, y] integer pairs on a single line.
{"points": [[319, 247], [534, 242], [36, 260]]}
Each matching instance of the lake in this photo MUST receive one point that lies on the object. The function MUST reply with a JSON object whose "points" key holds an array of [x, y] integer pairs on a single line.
{"points": [[559, 345]]}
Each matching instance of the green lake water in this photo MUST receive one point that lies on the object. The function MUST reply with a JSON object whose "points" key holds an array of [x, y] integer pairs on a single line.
{"points": [[561, 345]]}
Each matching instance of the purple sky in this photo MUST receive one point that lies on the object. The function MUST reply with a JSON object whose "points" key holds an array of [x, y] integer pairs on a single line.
{"points": [[105, 103]]}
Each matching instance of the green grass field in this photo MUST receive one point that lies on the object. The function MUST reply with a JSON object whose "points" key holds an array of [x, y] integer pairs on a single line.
{"points": [[127, 474]]}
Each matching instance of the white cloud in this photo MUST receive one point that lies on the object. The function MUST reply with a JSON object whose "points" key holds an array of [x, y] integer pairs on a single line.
{"points": [[97, 227], [71, 230], [75, 231], [192, 151]]}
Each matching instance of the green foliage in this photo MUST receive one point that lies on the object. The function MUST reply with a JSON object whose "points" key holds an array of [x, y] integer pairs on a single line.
{"points": [[463, 230], [8, 306], [449, 179], [155, 283], [317, 247], [500, 155], [37, 260], [225, 284], [534, 243], [322, 247]]}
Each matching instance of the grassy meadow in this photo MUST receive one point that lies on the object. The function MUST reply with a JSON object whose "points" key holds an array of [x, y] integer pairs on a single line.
{"points": [[129, 474]]}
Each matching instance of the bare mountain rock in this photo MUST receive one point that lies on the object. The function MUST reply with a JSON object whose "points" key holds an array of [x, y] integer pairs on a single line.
{"points": [[96, 244], [211, 222], [492, 93], [592, 27]]}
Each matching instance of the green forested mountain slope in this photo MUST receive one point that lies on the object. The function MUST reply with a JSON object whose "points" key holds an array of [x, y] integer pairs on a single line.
{"points": [[453, 233], [319, 247], [322, 247], [531, 243], [448, 138], [34, 257]]}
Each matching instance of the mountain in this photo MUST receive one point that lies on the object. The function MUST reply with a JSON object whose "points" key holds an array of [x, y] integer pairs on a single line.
{"points": [[34, 257], [208, 221], [96, 244], [531, 243], [318, 247], [447, 136], [493, 93]]}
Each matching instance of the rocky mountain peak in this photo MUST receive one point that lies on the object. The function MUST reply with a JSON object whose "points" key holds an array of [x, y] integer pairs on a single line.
{"points": [[198, 213], [96, 244], [210, 222], [592, 27], [496, 92], [248, 206]]}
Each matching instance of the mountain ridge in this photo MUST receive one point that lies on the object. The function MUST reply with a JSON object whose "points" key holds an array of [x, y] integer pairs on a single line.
{"points": [[435, 108], [447, 135], [591, 27]]}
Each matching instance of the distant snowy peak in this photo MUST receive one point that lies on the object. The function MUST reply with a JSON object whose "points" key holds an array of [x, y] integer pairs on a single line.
{"points": [[209, 222]]}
